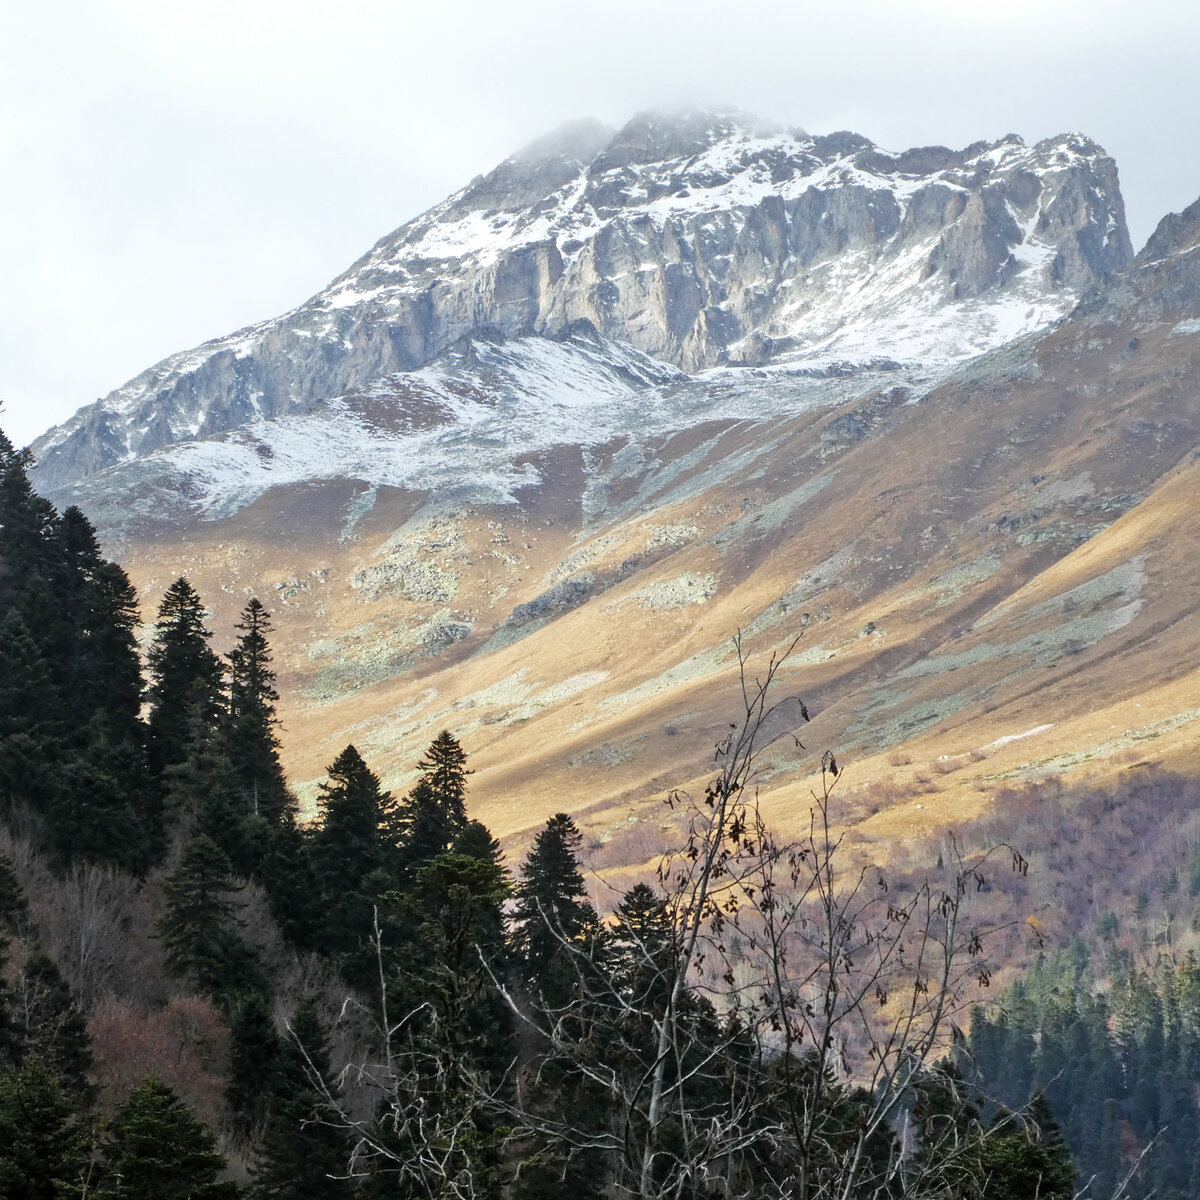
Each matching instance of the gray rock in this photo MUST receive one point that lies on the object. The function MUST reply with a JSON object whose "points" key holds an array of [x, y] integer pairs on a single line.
{"points": [[700, 239]]}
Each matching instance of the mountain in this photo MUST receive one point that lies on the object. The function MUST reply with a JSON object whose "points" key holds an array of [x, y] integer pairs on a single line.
{"points": [[701, 240], [953, 450]]}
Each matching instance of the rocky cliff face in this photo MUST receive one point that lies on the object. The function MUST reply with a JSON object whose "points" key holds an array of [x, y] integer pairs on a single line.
{"points": [[701, 240]]}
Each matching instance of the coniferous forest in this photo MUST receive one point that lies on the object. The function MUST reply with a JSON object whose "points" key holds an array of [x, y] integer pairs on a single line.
{"points": [[203, 995]]}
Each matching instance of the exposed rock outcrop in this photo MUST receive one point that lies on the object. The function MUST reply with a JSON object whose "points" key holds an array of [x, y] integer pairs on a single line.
{"points": [[701, 240]]}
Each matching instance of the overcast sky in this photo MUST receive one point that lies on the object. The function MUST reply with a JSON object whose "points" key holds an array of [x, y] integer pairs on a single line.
{"points": [[173, 171]]}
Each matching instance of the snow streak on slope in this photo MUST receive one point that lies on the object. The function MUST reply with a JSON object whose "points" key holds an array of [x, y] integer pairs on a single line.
{"points": [[459, 426]]}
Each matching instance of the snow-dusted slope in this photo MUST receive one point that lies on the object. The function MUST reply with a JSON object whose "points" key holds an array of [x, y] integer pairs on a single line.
{"points": [[702, 240], [470, 424]]}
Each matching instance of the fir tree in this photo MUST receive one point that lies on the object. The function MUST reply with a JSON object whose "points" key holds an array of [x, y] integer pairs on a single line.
{"points": [[444, 769], [640, 949], [101, 812], [30, 720], [253, 1058], [45, 1138], [199, 928], [158, 1150], [55, 1032], [434, 814], [28, 528], [450, 930], [14, 908], [552, 913], [353, 854], [302, 1156], [251, 741], [426, 828], [185, 678]]}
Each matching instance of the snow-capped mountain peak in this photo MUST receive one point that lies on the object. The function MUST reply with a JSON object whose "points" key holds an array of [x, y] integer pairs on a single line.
{"points": [[703, 240]]}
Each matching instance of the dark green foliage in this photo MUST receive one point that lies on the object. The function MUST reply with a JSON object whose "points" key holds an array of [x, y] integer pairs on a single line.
{"points": [[475, 841], [444, 769], [30, 719], [14, 908], [287, 874], [45, 1138], [53, 1031], [101, 811], [353, 857], [302, 1155], [1019, 1165], [14, 917], [641, 948], [434, 813], [71, 737], [254, 1050], [451, 927], [157, 1150], [1118, 1070], [425, 827], [200, 926], [251, 740], [552, 913], [185, 678]]}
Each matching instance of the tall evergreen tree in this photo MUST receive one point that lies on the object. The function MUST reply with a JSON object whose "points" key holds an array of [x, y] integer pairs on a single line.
{"points": [[444, 769], [45, 1137], [552, 913], [251, 741], [30, 720], [185, 678], [451, 930], [199, 927], [54, 1031], [302, 1156], [434, 813], [28, 545], [254, 1052], [157, 1149], [353, 852]]}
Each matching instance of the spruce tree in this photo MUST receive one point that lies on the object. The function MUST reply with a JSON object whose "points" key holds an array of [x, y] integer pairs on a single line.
{"points": [[353, 853], [14, 908], [101, 812], [251, 740], [641, 948], [254, 1052], [31, 721], [28, 549], [434, 813], [185, 678], [302, 1156], [444, 769], [425, 828], [450, 931], [45, 1137], [157, 1149], [54, 1031], [199, 927], [552, 914]]}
